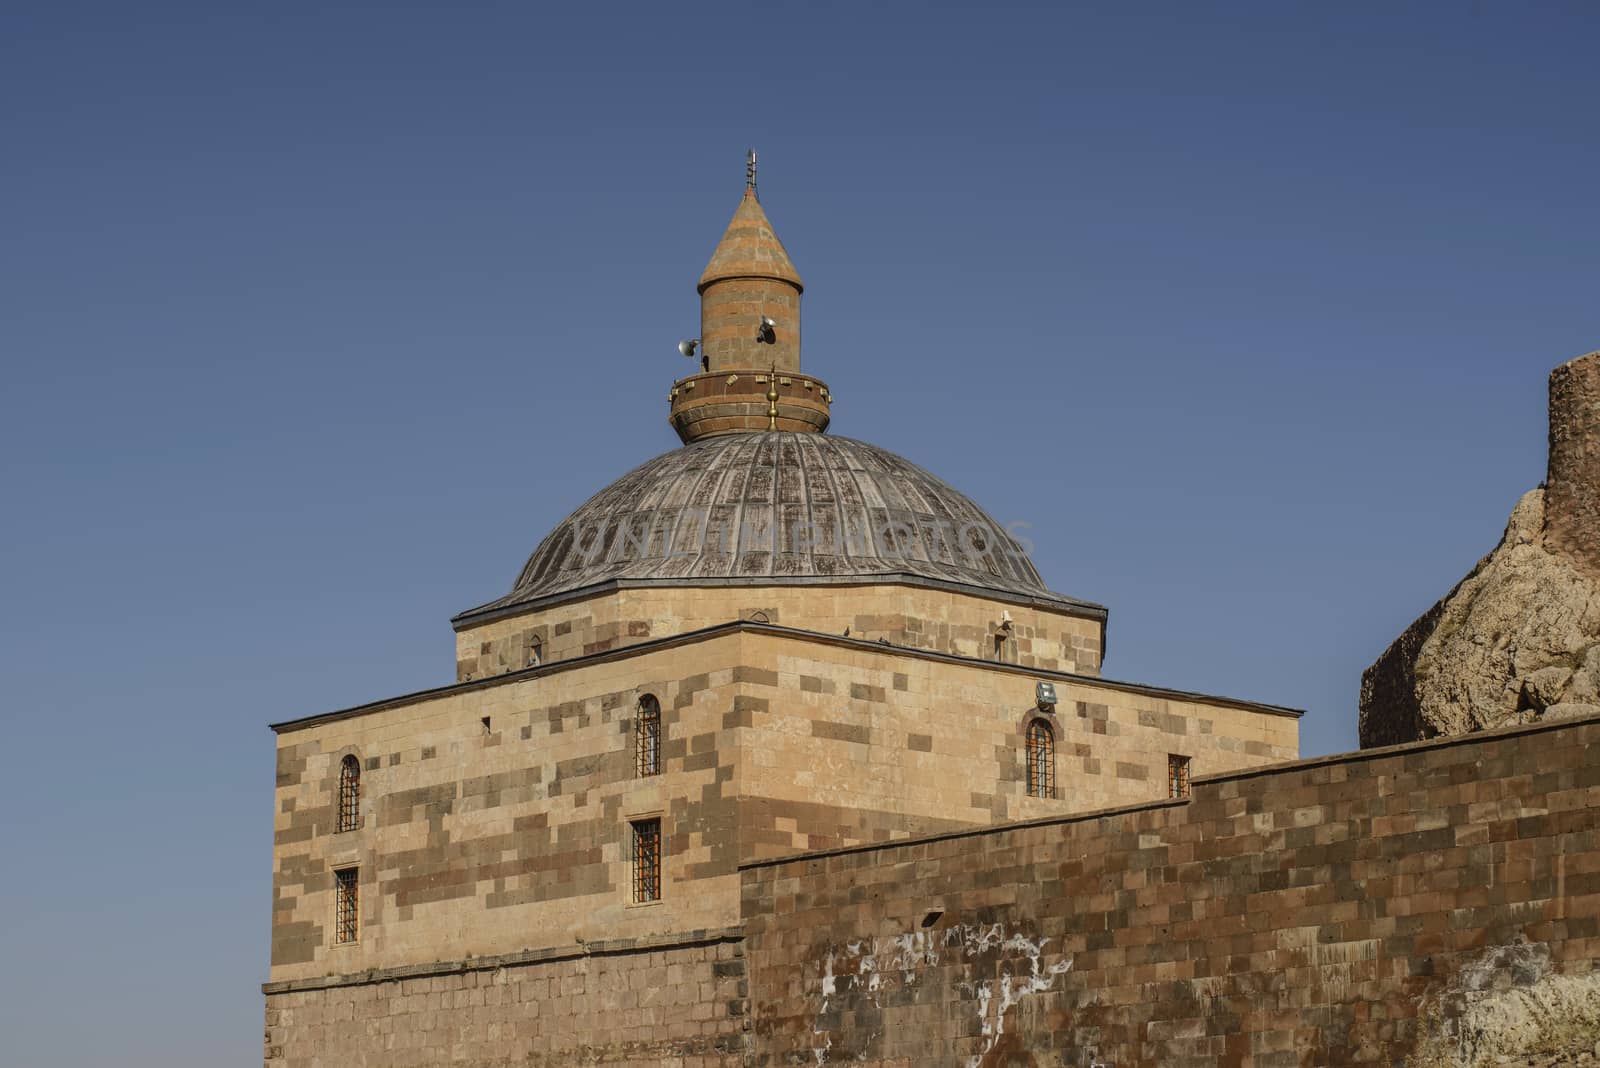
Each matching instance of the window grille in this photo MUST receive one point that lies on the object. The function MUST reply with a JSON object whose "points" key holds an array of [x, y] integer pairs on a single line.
{"points": [[647, 753], [1041, 759], [346, 905], [646, 860], [1177, 776], [349, 793]]}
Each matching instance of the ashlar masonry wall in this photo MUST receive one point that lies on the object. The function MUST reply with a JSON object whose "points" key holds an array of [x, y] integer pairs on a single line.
{"points": [[918, 617], [1397, 906], [678, 1002], [495, 920], [495, 815], [852, 742], [476, 840]]}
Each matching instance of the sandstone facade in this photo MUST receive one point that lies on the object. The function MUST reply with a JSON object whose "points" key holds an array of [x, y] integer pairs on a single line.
{"points": [[925, 617], [1435, 905], [495, 814]]}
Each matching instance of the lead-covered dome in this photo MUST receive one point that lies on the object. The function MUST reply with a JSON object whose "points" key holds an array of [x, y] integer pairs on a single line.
{"points": [[775, 507]]}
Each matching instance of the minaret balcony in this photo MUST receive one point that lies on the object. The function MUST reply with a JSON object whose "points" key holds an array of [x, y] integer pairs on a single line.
{"points": [[729, 402]]}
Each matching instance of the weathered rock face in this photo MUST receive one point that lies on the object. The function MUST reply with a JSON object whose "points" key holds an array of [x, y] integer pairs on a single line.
{"points": [[1518, 639], [1509, 1007], [1517, 636]]}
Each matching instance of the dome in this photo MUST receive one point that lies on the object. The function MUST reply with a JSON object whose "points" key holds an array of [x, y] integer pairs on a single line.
{"points": [[776, 507]]}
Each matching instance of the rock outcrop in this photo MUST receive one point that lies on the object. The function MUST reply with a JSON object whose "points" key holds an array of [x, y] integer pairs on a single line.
{"points": [[1511, 1008], [1518, 639]]}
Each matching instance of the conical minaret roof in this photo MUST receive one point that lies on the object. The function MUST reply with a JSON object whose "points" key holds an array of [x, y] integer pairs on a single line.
{"points": [[750, 249]]}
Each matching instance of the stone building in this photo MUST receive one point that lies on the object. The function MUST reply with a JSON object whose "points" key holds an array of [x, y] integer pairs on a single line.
{"points": [[768, 641]]}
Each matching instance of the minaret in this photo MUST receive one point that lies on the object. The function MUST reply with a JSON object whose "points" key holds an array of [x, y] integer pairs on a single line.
{"points": [[750, 376]]}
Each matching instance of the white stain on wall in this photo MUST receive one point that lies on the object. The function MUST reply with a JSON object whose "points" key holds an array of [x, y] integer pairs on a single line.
{"points": [[870, 968]]}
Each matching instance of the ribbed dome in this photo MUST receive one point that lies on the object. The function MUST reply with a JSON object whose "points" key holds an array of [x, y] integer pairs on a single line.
{"points": [[775, 507]]}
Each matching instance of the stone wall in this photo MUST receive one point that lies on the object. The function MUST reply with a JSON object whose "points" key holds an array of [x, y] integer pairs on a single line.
{"points": [[480, 838], [1572, 493], [854, 743], [1438, 902], [680, 1003], [729, 312], [916, 617]]}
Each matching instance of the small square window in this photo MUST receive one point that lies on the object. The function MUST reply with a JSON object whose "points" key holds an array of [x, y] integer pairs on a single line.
{"points": [[646, 860], [346, 905]]}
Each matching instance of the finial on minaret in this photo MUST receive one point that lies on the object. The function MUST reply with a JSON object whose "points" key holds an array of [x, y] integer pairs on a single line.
{"points": [[750, 171]]}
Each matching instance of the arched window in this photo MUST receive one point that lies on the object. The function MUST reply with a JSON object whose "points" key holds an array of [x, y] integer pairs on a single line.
{"points": [[1041, 759], [349, 793], [647, 739]]}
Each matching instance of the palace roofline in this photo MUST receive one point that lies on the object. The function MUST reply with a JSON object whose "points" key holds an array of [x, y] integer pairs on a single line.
{"points": [[736, 626], [484, 613]]}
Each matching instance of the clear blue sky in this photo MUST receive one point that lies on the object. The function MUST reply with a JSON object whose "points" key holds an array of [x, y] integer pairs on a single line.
{"points": [[1246, 308]]}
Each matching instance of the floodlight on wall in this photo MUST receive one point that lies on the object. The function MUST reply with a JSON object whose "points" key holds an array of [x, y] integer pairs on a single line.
{"points": [[1044, 694]]}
